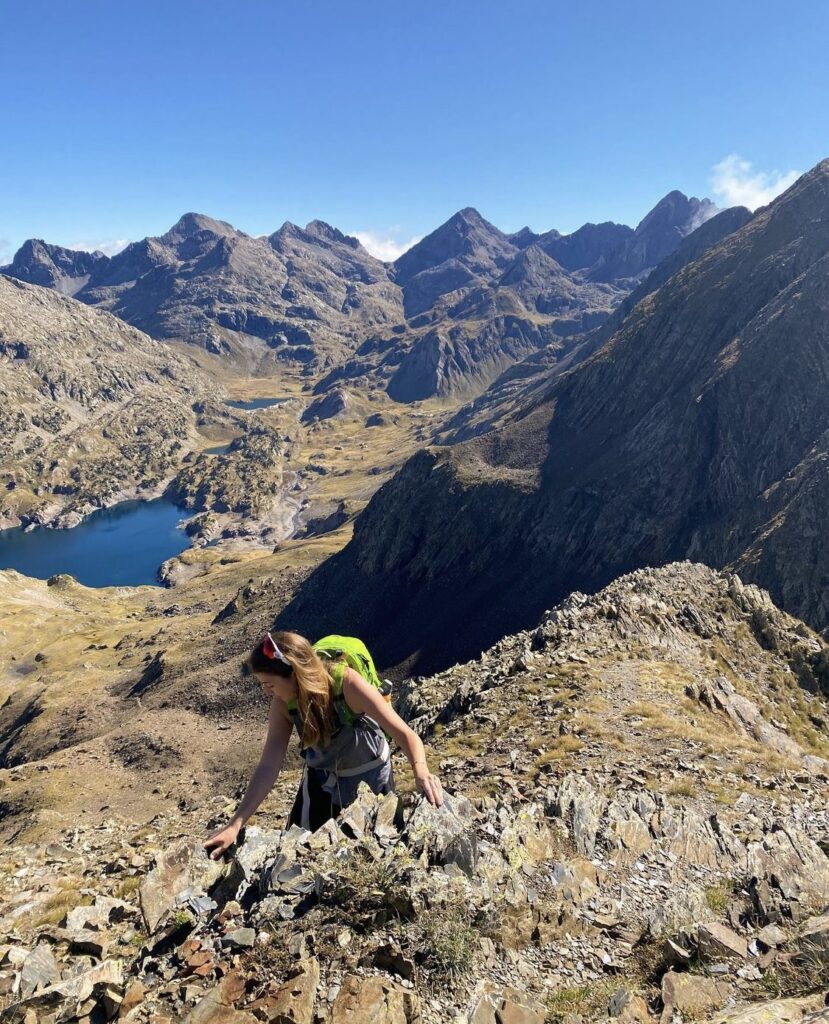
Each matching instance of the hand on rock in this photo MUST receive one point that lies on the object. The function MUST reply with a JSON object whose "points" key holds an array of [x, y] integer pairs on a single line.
{"points": [[220, 841], [429, 785]]}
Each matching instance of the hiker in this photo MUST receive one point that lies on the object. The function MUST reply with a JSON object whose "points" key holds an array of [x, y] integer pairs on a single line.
{"points": [[342, 721]]}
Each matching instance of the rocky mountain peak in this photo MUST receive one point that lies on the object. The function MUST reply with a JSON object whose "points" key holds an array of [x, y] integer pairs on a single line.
{"points": [[465, 235], [53, 266], [618, 463], [190, 225], [320, 229]]}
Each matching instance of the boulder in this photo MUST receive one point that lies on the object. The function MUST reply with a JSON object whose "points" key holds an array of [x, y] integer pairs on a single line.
{"points": [[716, 942], [692, 995], [293, 1002], [182, 869], [813, 938], [373, 1000], [40, 969], [443, 835], [778, 1011]]}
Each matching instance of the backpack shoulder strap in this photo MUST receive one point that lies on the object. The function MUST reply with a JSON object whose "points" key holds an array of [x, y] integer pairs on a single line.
{"points": [[336, 670]]}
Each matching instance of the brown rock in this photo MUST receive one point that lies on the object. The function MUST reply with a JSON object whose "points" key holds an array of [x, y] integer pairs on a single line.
{"points": [[512, 1012], [133, 997], [628, 1007], [372, 1001], [217, 1006], [778, 1011], [294, 1001], [716, 942], [813, 938], [692, 994]]}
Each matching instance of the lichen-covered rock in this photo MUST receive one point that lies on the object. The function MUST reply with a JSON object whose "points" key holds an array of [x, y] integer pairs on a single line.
{"points": [[180, 871]]}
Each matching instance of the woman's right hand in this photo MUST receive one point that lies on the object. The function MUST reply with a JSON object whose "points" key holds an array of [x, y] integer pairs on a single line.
{"points": [[220, 841]]}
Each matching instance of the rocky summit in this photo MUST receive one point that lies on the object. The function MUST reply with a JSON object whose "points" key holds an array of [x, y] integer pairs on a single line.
{"points": [[636, 831], [675, 439]]}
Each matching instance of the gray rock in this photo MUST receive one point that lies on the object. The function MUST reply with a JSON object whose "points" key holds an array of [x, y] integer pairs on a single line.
{"points": [[40, 969], [181, 868]]}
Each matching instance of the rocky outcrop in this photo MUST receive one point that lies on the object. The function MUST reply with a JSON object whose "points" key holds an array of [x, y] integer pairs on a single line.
{"points": [[673, 441], [52, 266]]}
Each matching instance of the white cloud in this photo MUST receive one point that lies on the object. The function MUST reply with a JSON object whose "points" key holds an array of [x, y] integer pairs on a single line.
{"points": [[384, 247], [108, 246], [736, 183], [6, 252]]}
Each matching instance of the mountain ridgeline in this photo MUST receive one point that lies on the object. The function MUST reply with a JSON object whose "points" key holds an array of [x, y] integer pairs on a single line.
{"points": [[699, 429], [450, 315]]}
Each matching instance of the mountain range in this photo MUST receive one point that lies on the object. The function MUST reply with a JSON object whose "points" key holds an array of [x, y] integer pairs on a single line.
{"points": [[700, 428], [444, 320]]}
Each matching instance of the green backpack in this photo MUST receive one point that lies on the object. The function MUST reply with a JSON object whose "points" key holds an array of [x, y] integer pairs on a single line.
{"points": [[338, 651]]}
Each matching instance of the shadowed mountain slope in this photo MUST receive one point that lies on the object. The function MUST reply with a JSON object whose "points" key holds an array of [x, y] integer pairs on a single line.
{"points": [[701, 429]]}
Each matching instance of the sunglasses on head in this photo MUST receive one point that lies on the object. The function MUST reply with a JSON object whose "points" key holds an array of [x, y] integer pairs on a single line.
{"points": [[271, 650]]}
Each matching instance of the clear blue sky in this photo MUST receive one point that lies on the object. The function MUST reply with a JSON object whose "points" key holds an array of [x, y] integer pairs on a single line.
{"points": [[386, 116]]}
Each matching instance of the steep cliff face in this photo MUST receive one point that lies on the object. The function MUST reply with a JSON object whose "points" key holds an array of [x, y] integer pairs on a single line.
{"points": [[701, 429]]}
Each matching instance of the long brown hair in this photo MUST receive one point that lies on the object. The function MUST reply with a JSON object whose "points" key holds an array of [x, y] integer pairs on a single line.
{"points": [[313, 684]]}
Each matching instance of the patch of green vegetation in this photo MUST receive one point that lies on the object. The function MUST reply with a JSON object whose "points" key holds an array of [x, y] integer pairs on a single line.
{"points": [[718, 895], [589, 1001], [449, 942]]}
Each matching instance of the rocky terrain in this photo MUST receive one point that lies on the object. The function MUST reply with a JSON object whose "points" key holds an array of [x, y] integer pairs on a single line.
{"points": [[675, 439], [637, 831], [444, 320], [91, 410]]}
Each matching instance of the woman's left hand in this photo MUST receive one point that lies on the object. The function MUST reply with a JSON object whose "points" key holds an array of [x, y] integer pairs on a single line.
{"points": [[429, 785]]}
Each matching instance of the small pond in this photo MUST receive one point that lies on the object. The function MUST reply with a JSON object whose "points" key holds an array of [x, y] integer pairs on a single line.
{"points": [[119, 546]]}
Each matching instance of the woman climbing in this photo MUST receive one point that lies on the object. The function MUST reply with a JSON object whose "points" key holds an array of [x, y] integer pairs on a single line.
{"points": [[342, 722]]}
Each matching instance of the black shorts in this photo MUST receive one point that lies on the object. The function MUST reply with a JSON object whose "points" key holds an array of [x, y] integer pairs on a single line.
{"points": [[321, 807]]}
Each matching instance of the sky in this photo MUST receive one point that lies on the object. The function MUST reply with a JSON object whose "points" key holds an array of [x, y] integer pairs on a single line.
{"points": [[384, 118]]}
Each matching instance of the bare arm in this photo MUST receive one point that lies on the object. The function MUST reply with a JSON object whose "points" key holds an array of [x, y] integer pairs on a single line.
{"points": [[264, 776], [363, 699]]}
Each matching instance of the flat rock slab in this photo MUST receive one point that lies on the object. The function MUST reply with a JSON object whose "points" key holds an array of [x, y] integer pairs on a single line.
{"points": [[808, 1010], [372, 1001], [717, 942], [181, 867], [692, 995], [293, 1002]]}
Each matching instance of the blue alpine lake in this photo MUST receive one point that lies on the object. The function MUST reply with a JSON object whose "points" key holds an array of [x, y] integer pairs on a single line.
{"points": [[255, 403], [114, 547]]}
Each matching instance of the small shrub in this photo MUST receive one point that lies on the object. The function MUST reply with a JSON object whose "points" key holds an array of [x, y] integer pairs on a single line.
{"points": [[448, 941], [718, 896]]}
